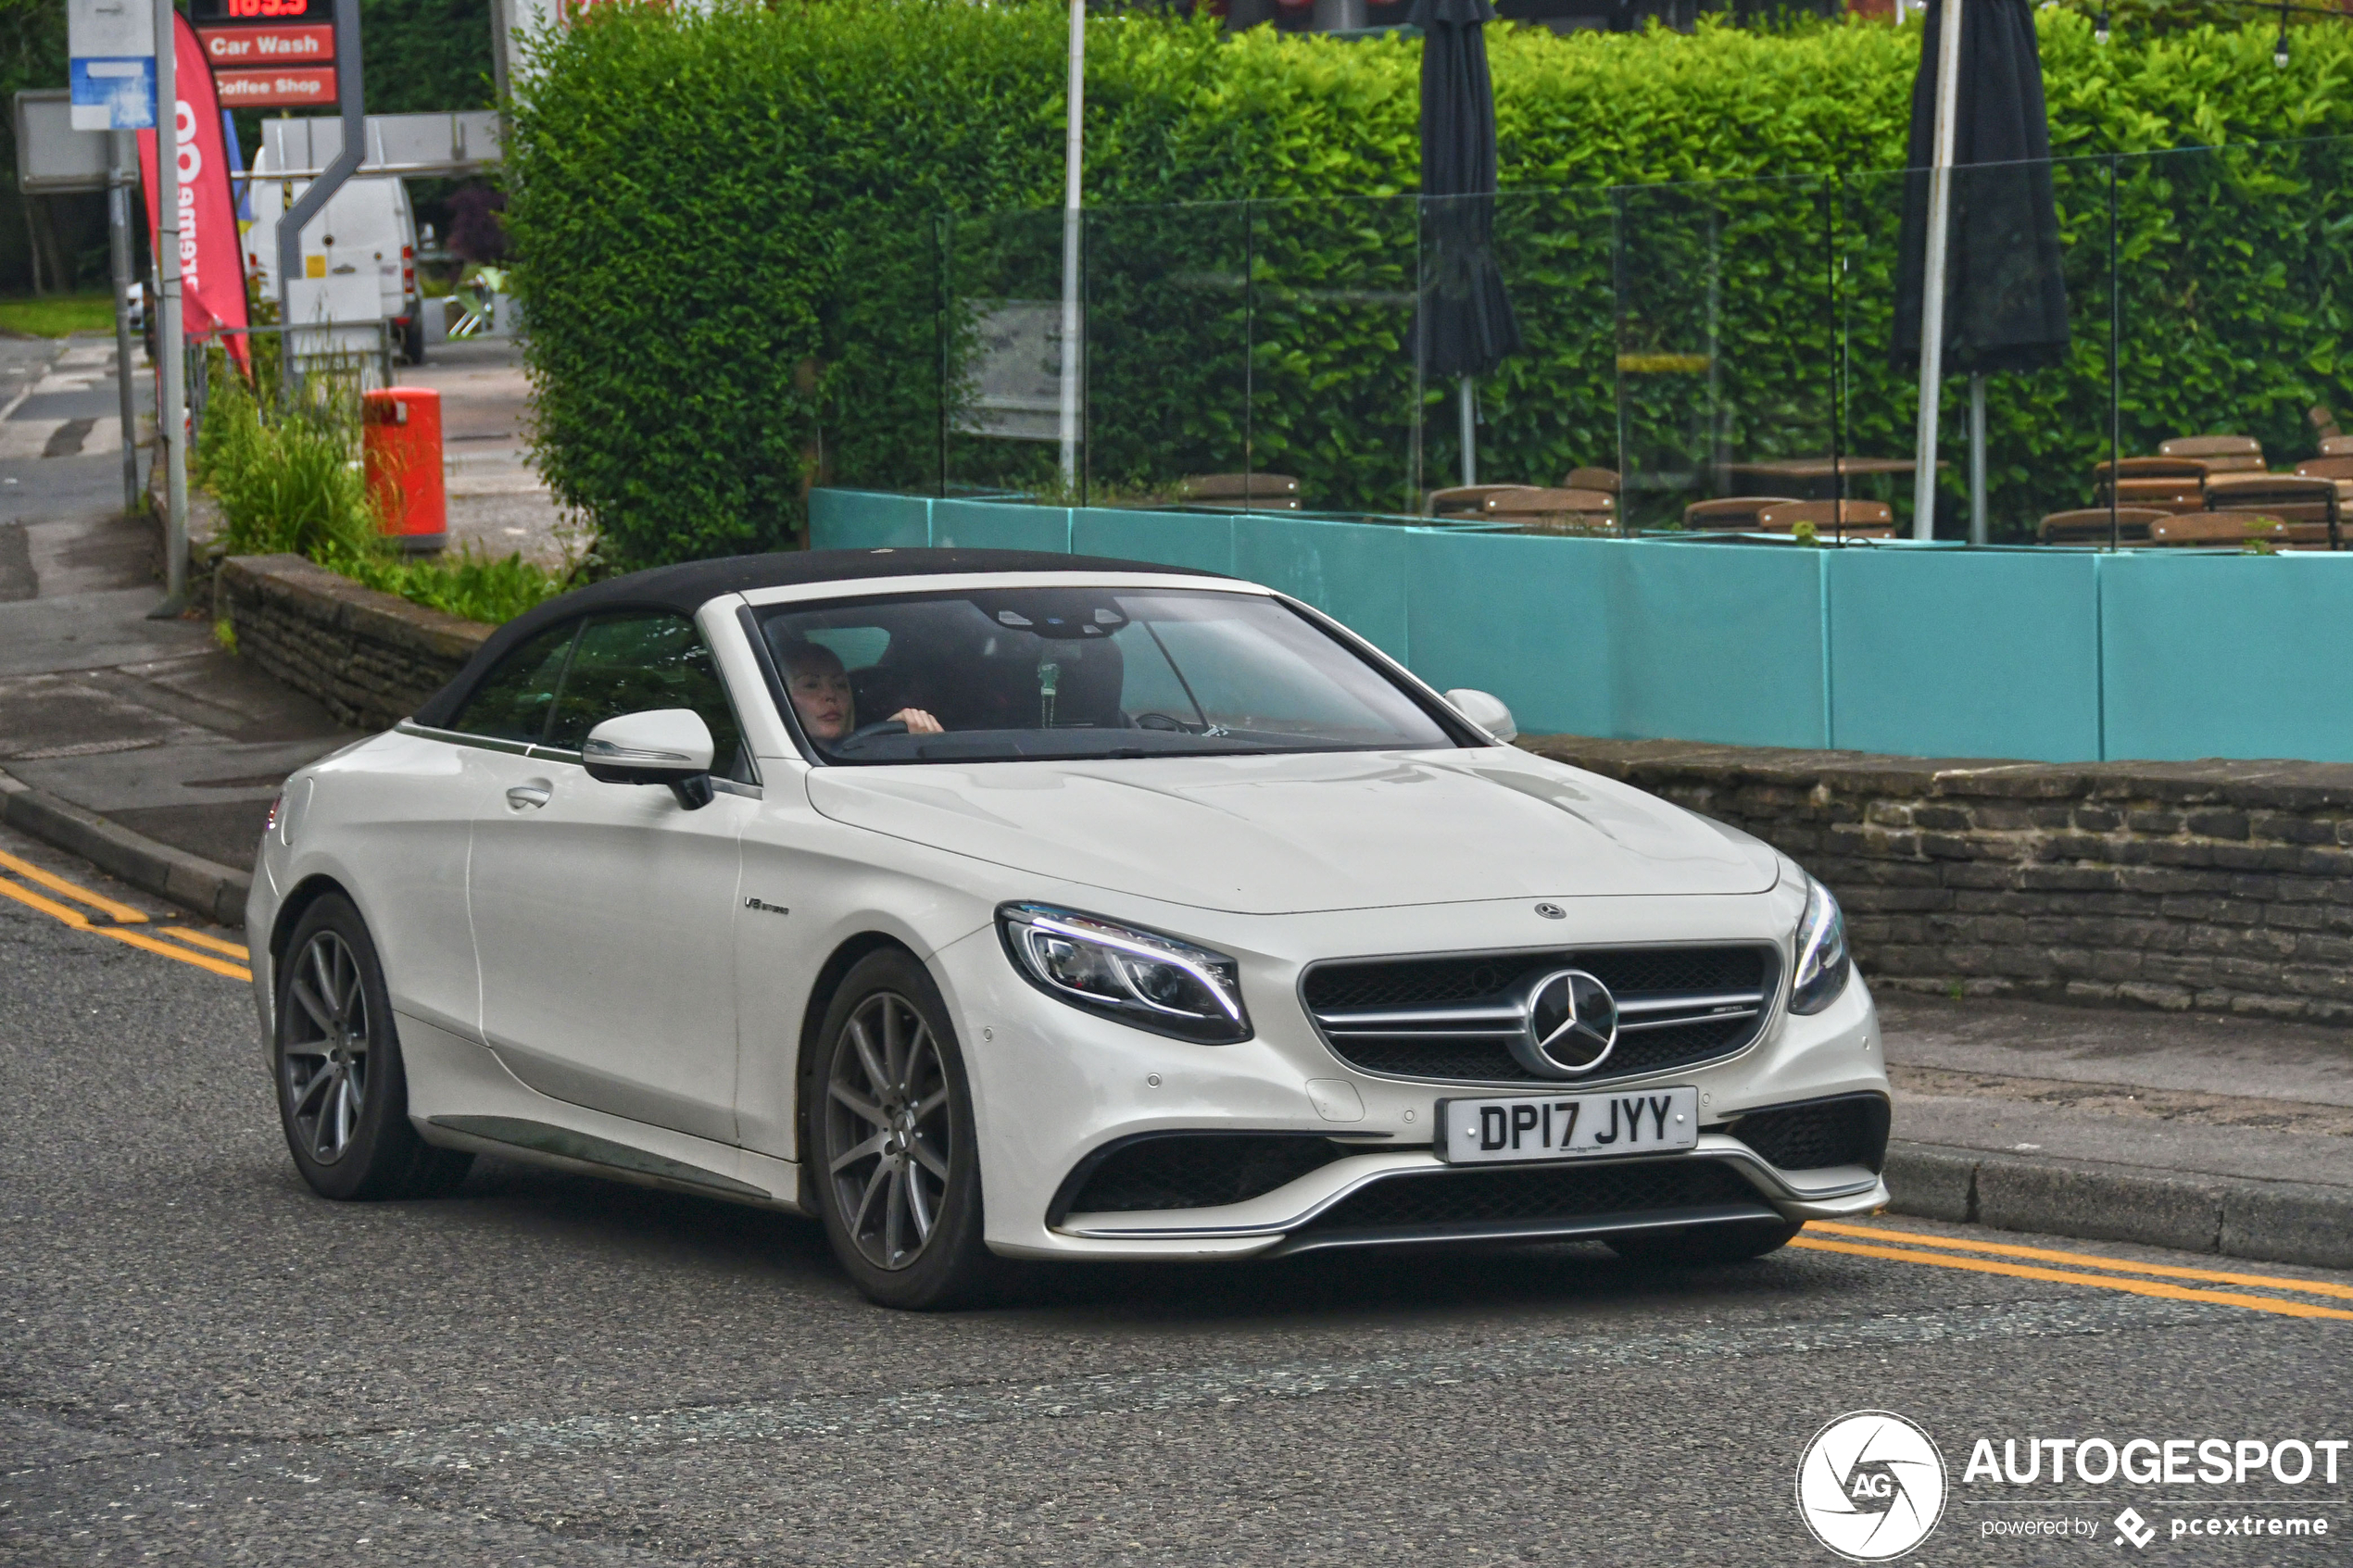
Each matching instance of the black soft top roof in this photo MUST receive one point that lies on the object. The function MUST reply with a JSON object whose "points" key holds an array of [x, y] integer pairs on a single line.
{"points": [[685, 588]]}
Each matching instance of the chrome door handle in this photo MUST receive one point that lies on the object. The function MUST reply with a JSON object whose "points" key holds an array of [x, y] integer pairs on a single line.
{"points": [[524, 795]]}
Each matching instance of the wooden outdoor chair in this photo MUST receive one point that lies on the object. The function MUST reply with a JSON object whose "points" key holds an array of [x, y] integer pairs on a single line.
{"points": [[1732, 514], [1464, 500], [1553, 511], [1241, 492], [2157, 494], [2336, 447], [1852, 519], [2090, 526], [2291, 498], [2339, 469], [2213, 529], [1606, 480], [2220, 454]]}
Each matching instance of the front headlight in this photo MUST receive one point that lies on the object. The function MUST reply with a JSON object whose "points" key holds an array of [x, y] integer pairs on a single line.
{"points": [[1138, 977], [1822, 963]]}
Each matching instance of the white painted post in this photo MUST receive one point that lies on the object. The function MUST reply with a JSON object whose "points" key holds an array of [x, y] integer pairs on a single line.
{"points": [[1940, 203], [1071, 153], [171, 419]]}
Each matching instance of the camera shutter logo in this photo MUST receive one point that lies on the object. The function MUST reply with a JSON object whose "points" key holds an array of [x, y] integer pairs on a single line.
{"points": [[1870, 1486]]}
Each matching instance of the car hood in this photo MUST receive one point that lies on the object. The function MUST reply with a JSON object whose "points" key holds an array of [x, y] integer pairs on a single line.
{"points": [[1316, 832]]}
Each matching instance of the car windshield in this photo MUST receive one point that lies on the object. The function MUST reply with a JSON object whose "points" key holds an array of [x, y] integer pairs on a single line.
{"points": [[999, 675]]}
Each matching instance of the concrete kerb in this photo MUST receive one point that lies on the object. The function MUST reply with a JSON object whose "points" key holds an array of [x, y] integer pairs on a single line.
{"points": [[2235, 1217], [215, 891]]}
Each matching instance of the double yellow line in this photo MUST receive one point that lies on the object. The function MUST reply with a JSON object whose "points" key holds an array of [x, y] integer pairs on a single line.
{"points": [[2079, 1268], [206, 952]]}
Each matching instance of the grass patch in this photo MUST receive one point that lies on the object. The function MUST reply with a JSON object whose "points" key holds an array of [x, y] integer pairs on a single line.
{"points": [[291, 482], [57, 315]]}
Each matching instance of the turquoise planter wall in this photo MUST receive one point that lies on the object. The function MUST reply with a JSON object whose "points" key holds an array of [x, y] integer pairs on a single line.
{"points": [[2232, 656], [1197, 539], [1719, 642], [1525, 619], [2053, 656], [1950, 653], [869, 520], [997, 525], [1353, 571]]}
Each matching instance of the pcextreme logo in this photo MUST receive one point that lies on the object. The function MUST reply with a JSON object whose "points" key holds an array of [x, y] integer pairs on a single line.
{"points": [[1870, 1486]]}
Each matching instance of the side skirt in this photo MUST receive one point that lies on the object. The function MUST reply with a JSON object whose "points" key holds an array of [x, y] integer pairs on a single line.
{"points": [[561, 1147]]}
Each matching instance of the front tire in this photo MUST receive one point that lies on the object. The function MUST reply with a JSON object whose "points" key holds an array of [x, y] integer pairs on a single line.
{"points": [[1692, 1245], [343, 1096], [888, 1134]]}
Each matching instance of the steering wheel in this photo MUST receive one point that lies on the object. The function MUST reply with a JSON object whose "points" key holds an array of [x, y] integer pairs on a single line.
{"points": [[879, 727]]}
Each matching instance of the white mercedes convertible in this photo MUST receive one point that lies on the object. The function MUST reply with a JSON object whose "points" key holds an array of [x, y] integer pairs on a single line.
{"points": [[991, 906]]}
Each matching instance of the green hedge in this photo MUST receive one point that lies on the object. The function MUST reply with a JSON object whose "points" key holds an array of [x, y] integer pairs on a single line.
{"points": [[742, 272]]}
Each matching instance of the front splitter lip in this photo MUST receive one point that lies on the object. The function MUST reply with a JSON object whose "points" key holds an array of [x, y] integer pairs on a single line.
{"points": [[1793, 1193], [1522, 1232]]}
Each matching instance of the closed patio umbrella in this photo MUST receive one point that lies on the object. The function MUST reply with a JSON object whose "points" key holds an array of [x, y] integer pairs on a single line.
{"points": [[1465, 326], [1990, 296]]}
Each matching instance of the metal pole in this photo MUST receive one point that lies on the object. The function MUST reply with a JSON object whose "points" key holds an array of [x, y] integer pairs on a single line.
{"points": [[315, 195], [121, 174], [170, 347], [1467, 398], [1977, 460], [1939, 196], [1072, 154]]}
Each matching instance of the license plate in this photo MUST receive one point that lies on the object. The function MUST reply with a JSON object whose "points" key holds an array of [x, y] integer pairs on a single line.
{"points": [[1473, 1132]]}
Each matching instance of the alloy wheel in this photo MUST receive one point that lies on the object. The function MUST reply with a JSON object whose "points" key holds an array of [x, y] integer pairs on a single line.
{"points": [[323, 1060], [887, 1130]]}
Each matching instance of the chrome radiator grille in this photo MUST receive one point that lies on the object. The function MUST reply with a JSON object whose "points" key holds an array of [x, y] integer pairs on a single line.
{"points": [[1454, 1018]]}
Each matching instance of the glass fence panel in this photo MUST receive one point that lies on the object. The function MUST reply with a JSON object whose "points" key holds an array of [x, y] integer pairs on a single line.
{"points": [[2236, 315], [1515, 298], [1711, 343], [2027, 305], [1167, 355], [1006, 417], [1333, 400], [877, 386]]}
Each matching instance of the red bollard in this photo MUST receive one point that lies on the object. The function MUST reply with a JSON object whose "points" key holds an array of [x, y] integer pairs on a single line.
{"points": [[400, 452]]}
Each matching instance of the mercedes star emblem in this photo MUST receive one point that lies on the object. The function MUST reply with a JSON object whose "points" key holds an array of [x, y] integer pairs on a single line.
{"points": [[1569, 1024]]}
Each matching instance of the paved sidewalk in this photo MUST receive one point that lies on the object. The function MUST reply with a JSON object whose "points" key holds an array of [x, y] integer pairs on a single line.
{"points": [[497, 502], [149, 724], [2219, 1134]]}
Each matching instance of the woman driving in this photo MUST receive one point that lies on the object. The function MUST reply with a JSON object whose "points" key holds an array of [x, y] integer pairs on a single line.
{"points": [[819, 686]]}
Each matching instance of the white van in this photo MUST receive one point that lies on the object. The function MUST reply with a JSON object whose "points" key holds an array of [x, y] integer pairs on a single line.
{"points": [[366, 234]]}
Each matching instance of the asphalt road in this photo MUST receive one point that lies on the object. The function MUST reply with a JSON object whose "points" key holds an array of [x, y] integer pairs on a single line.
{"points": [[201, 1362]]}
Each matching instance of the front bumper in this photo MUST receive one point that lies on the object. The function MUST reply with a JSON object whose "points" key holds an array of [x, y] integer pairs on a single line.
{"points": [[1054, 1087]]}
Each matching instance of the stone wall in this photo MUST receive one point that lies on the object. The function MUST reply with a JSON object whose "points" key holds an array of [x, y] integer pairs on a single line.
{"points": [[369, 657], [2223, 886]]}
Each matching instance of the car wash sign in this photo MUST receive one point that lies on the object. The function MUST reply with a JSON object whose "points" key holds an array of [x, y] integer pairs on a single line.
{"points": [[111, 45], [268, 54]]}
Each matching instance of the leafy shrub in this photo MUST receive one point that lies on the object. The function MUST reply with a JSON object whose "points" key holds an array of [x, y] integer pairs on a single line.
{"points": [[758, 248], [291, 483]]}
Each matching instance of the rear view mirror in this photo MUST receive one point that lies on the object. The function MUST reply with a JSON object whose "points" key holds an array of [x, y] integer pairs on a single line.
{"points": [[663, 745], [1488, 712]]}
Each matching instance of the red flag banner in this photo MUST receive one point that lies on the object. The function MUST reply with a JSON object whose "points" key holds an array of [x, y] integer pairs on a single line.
{"points": [[212, 276]]}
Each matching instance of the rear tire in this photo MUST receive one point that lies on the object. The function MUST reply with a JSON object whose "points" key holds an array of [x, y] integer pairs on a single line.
{"points": [[1689, 1246], [886, 1134], [343, 1096]]}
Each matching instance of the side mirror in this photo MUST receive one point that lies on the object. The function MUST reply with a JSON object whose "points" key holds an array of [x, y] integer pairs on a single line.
{"points": [[1488, 712], [663, 745]]}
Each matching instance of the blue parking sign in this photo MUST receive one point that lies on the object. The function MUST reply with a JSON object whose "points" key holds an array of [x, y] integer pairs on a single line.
{"points": [[114, 94]]}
